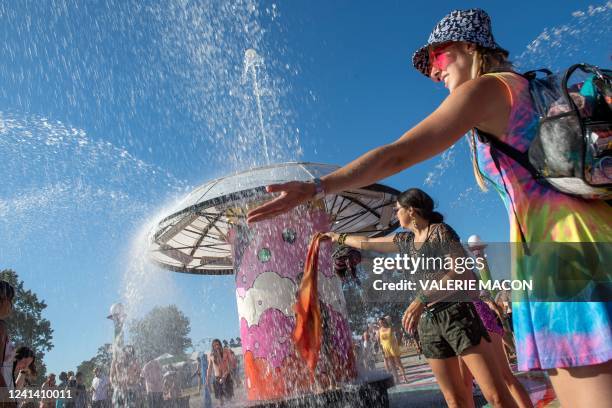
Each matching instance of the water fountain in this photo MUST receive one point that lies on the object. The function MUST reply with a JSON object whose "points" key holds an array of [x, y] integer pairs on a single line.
{"points": [[207, 234]]}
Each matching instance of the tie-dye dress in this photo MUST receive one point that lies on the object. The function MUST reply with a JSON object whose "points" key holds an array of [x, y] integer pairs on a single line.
{"points": [[548, 334]]}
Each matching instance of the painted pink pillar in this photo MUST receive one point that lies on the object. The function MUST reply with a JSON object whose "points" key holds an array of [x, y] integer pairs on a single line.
{"points": [[269, 262]]}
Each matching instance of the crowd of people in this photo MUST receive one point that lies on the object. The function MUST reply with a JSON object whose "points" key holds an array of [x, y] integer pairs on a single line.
{"points": [[127, 384]]}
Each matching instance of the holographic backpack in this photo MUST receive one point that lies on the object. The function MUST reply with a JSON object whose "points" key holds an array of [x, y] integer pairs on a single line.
{"points": [[572, 148]]}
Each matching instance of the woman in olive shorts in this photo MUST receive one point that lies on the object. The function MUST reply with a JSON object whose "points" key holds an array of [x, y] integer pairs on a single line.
{"points": [[448, 328]]}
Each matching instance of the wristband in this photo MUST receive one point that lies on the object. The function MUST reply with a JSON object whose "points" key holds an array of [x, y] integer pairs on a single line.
{"points": [[422, 298], [319, 192], [342, 238]]}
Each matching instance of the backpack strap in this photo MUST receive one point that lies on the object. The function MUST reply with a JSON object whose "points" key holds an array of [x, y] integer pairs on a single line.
{"points": [[515, 154], [496, 146]]}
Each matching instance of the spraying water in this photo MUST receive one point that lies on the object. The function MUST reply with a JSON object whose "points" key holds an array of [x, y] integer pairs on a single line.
{"points": [[176, 89], [252, 61]]}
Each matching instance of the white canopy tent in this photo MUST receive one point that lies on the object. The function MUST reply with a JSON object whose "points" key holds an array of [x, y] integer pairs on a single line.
{"points": [[193, 239]]}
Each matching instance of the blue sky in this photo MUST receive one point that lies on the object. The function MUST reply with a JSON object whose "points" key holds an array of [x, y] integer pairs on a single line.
{"points": [[111, 110]]}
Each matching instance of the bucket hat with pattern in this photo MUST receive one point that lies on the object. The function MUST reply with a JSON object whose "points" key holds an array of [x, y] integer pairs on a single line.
{"points": [[472, 26]]}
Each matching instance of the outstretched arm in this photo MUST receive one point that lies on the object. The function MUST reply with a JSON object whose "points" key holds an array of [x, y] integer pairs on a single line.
{"points": [[476, 103], [380, 244]]}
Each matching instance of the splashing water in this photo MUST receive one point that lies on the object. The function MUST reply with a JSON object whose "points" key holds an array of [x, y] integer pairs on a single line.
{"points": [[184, 56], [223, 85], [56, 176], [218, 40], [446, 161], [585, 38], [252, 61]]}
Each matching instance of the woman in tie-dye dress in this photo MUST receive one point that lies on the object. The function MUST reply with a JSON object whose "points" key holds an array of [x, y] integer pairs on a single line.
{"points": [[572, 340], [559, 334]]}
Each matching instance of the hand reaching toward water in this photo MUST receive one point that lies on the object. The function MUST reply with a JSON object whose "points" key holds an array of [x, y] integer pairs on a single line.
{"points": [[291, 195]]}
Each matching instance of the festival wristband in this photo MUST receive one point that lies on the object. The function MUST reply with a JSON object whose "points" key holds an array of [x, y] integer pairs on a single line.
{"points": [[319, 191]]}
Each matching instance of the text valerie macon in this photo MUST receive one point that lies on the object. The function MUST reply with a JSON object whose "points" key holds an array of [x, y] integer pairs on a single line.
{"points": [[412, 265]]}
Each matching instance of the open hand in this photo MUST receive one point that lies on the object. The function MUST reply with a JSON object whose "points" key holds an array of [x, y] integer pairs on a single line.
{"points": [[291, 195], [411, 317]]}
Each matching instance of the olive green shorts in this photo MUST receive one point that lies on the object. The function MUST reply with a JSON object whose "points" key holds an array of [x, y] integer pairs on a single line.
{"points": [[450, 331]]}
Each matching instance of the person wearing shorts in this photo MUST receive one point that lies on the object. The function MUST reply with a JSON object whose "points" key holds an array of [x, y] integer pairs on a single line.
{"points": [[447, 329]]}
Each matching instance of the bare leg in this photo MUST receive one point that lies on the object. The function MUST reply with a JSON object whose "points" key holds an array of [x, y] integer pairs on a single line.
{"points": [[398, 363], [509, 344], [586, 386], [519, 393], [391, 368], [448, 376], [480, 360], [466, 376], [387, 365]]}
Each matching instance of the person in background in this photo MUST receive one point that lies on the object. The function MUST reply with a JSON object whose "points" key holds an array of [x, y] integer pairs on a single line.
{"points": [[233, 363], [48, 384], [24, 373], [205, 385], [24, 368], [63, 377], [133, 375], [502, 299], [72, 385], [367, 346], [80, 395], [391, 350], [219, 370], [152, 375], [171, 390], [125, 376], [100, 388], [7, 349], [397, 332]]}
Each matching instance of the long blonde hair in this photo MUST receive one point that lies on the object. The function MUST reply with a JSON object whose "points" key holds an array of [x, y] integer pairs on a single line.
{"points": [[485, 60]]}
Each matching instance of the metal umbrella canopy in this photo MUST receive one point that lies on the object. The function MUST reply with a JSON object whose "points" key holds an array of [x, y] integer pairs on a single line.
{"points": [[193, 239]]}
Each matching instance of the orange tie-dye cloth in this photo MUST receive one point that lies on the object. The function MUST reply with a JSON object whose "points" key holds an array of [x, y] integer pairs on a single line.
{"points": [[307, 335]]}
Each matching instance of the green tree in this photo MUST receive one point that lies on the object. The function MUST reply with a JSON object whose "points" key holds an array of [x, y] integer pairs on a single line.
{"points": [[26, 325], [162, 330], [102, 359]]}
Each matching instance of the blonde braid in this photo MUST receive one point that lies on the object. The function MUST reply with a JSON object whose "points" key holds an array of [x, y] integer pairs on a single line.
{"points": [[480, 180], [478, 69], [485, 60]]}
